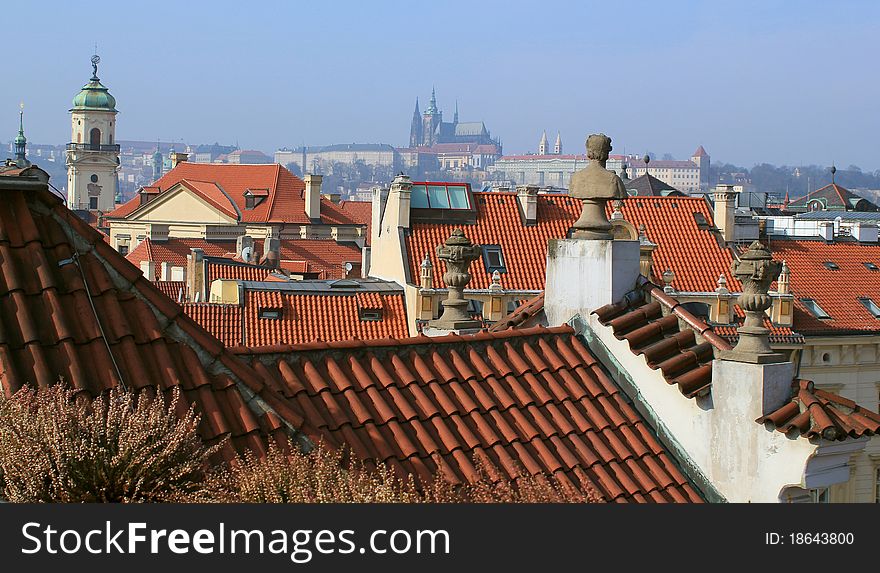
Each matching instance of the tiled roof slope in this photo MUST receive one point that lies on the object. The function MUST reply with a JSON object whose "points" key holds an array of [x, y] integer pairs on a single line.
{"points": [[532, 399], [836, 291], [833, 196], [285, 203], [649, 186], [360, 212], [681, 358], [815, 413], [524, 315], [172, 289], [304, 318], [325, 257], [73, 309], [692, 252], [220, 268]]}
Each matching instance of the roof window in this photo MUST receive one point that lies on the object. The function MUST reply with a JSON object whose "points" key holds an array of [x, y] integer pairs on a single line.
{"points": [[369, 314], [440, 196], [871, 267], [871, 306], [831, 266], [814, 308], [270, 313], [493, 259]]}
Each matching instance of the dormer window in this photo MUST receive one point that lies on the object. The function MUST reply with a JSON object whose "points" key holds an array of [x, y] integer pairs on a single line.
{"points": [[493, 259], [814, 308], [253, 197], [831, 266]]}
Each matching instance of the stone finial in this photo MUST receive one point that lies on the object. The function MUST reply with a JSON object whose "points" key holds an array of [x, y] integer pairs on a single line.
{"points": [[496, 281], [616, 213], [594, 186], [756, 269], [668, 276], [427, 273], [458, 253], [722, 284]]}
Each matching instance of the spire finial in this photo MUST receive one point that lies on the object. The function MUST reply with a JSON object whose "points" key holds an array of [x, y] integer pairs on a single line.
{"points": [[833, 171], [96, 59], [20, 143]]}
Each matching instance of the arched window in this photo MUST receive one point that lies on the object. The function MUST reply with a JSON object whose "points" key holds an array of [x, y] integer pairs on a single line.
{"points": [[95, 136]]}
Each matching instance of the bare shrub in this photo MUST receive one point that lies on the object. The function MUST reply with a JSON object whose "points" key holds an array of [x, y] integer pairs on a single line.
{"points": [[320, 477], [57, 447]]}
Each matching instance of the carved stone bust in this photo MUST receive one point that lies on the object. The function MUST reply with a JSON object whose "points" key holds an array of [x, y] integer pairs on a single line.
{"points": [[596, 182], [595, 185]]}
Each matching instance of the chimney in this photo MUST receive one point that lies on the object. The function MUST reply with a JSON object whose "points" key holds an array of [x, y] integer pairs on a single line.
{"points": [[725, 211], [865, 232], [244, 248], [781, 309], [646, 253], [313, 196], [271, 252], [178, 157], [826, 230], [379, 202], [149, 270], [527, 199], [195, 275], [397, 210], [165, 273]]}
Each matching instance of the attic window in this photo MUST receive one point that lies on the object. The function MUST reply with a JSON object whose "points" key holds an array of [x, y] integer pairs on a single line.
{"points": [[440, 196], [270, 313], [871, 306], [814, 308], [369, 314], [871, 267], [493, 259], [253, 197], [702, 223], [831, 266]]}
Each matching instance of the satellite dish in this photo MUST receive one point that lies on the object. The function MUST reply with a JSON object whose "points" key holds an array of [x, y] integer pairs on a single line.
{"points": [[246, 253], [348, 267]]}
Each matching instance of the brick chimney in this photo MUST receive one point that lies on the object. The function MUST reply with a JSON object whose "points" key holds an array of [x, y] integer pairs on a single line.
{"points": [[527, 199], [195, 275], [313, 196]]}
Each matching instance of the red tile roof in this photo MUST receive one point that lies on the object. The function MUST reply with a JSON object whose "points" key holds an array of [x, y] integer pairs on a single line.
{"points": [[360, 212], [304, 318], [73, 309], [285, 203], [525, 315], [325, 257], [218, 268], [692, 252], [215, 196], [172, 289], [678, 354], [532, 399], [815, 413], [700, 152], [836, 291]]}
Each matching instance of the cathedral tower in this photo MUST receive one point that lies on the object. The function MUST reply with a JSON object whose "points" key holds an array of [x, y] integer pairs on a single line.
{"points": [[415, 131], [557, 147], [542, 147], [92, 154]]}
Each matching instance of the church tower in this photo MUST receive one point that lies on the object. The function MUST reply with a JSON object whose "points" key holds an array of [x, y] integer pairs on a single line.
{"points": [[542, 147], [702, 160], [92, 154], [415, 131], [557, 147], [431, 121], [20, 144]]}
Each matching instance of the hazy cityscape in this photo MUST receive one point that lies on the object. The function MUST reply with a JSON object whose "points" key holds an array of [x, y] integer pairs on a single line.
{"points": [[586, 255]]}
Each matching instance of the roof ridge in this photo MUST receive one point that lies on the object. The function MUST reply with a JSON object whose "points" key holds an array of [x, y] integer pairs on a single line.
{"points": [[275, 194]]}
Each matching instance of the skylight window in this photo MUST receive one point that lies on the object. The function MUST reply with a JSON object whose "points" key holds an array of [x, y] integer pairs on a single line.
{"points": [[871, 267], [871, 306], [440, 196], [831, 266], [814, 308], [493, 259], [270, 313]]}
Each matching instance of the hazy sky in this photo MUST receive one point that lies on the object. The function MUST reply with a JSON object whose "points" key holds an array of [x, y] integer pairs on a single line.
{"points": [[782, 82]]}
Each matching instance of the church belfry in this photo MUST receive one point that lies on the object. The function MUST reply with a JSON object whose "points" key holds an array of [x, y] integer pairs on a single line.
{"points": [[415, 131], [20, 143], [93, 154]]}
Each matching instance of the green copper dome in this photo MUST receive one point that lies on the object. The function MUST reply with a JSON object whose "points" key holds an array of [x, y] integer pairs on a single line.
{"points": [[94, 96]]}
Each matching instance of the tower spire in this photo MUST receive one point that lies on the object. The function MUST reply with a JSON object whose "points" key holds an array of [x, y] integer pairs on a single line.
{"points": [[557, 147], [455, 117], [20, 143], [542, 147]]}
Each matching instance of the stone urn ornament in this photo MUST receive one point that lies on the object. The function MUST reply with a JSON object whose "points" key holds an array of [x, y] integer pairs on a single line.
{"points": [[756, 269], [458, 253]]}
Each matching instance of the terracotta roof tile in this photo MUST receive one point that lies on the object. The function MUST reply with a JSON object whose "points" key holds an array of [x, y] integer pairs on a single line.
{"points": [[86, 315], [692, 252], [810, 278], [815, 413], [285, 202], [516, 399]]}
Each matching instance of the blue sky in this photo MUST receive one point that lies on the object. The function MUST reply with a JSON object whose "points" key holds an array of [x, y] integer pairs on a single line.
{"points": [[782, 82]]}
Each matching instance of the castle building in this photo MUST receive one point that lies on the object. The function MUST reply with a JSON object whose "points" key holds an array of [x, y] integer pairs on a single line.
{"points": [[429, 129], [93, 154]]}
